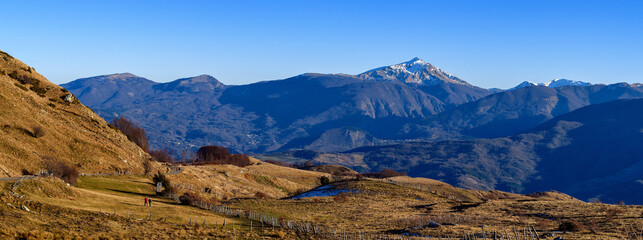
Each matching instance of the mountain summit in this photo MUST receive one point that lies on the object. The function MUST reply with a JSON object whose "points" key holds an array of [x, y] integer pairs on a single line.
{"points": [[415, 71], [559, 82]]}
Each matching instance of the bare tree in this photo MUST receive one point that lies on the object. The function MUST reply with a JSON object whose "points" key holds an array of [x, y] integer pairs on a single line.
{"points": [[133, 132]]}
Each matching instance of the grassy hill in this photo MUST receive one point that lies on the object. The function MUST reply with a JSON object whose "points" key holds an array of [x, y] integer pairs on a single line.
{"points": [[42, 120], [395, 208]]}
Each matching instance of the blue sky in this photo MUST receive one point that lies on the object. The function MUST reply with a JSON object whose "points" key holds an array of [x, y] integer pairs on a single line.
{"points": [[487, 43]]}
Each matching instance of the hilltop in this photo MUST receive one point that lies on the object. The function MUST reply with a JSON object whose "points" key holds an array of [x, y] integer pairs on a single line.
{"points": [[42, 120]]}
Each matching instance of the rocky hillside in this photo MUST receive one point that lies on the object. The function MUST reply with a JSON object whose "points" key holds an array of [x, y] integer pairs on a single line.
{"points": [[42, 120]]}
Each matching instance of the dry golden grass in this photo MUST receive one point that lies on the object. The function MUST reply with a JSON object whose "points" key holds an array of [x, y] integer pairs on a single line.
{"points": [[87, 212], [228, 181], [122, 194], [74, 133], [378, 207]]}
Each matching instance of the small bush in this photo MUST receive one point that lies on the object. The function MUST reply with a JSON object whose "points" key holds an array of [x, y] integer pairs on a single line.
{"points": [[14, 75], [323, 180], [62, 170], [261, 195], [189, 198], [38, 89], [167, 185], [26, 172], [24, 79], [569, 226], [64, 90], [38, 132], [162, 155]]}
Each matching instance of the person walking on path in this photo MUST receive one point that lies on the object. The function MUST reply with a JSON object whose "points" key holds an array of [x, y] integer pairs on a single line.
{"points": [[149, 202], [146, 201]]}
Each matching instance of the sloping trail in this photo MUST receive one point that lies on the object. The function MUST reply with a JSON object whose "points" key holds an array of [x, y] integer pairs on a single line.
{"points": [[125, 195]]}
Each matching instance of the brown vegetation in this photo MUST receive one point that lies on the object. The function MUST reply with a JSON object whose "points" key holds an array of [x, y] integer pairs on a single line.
{"points": [[162, 155], [72, 132], [385, 173], [133, 132], [38, 131], [62, 170], [165, 182], [261, 195], [220, 155], [569, 226]]}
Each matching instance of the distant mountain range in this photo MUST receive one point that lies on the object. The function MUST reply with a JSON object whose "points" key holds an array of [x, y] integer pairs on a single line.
{"points": [[553, 83], [413, 100], [521, 139], [321, 111]]}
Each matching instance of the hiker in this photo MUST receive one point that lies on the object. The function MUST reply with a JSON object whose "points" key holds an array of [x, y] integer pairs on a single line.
{"points": [[149, 202], [146, 201]]}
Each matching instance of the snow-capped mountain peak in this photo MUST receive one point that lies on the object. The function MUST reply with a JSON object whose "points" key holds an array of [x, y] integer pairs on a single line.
{"points": [[524, 84], [415, 71], [559, 82]]}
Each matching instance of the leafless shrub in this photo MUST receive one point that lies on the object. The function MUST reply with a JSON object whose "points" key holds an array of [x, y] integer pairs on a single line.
{"points": [[189, 198], [569, 226], [38, 131], [133, 132], [162, 155], [220, 155], [261, 195], [62, 170]]}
